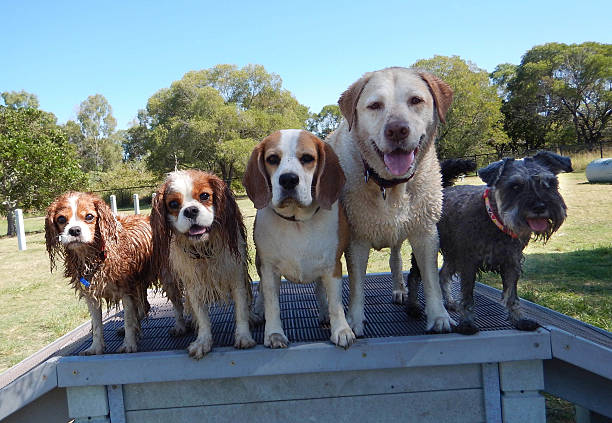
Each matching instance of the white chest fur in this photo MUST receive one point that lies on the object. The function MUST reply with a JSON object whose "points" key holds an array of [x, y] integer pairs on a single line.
{"points": [[299, 251]]}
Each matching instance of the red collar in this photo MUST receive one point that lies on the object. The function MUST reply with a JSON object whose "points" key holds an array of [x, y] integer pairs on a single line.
{"points": [[494, 217]]}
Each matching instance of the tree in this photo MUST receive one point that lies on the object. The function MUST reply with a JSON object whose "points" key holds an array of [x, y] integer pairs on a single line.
{"points": [[36, 161], [97, 145], [474, 121], [325, 122], [19, 99], [212, 118], [559, 94]]}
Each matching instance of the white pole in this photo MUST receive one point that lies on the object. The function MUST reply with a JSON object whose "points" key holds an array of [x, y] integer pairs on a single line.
{"points": [[113, 201], [136, 204], [21, 240]]}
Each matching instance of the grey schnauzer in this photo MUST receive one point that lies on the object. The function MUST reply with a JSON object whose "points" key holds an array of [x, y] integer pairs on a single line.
{"points": [[486, 228]]}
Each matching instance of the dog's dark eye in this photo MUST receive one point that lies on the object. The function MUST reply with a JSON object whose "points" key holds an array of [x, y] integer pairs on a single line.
{"points": [[517, 187], [204, 196], [173, 204], [375, 106], [61, 220], [89, 217], [416, 100], [273, 160], [306, 158]]}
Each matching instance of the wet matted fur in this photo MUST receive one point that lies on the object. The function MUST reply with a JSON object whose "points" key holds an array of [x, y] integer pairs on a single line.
{"points": [[525, 198], [390, 121]]}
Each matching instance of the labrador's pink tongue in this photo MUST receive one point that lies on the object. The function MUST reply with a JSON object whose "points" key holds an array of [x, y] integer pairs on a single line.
{"points": [[399, 161], [538, 225]]}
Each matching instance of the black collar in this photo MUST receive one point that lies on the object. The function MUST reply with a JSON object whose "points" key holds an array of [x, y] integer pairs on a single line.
{"points": [[292, 218], [383, 184]]}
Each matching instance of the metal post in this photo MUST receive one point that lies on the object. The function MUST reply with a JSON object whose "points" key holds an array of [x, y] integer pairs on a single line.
{"points": [[136, 204], [21, 240], [113, 204]]}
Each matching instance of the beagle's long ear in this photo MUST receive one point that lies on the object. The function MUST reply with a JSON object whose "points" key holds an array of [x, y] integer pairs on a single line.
{"points": [[348, 100], [161, 234], [106, 227], [255, 179], [441, 92], [54, 247], [329, 176]]}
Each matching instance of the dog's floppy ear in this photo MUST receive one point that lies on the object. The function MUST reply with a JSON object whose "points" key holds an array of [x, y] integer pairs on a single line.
{"points": [[54, 248], [490, 174], [106, 224], [553, 162], [161, 234], [348, 100], [329, 176], [441, 92], [227, 214], [255, 179]]}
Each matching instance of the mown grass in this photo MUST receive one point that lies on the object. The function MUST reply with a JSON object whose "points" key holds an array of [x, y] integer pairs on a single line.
{"points": [[572, 273]]}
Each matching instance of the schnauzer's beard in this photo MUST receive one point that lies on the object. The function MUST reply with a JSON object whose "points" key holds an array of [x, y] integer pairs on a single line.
{"points": [[515, 210]]}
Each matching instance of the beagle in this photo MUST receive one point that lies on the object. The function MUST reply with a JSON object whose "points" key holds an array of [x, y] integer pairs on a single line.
{"points": [[294, 181]]}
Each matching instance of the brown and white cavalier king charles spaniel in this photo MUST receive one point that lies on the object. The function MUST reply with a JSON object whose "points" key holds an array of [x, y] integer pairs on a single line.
{"points": [[198, 230], [107, 258]]}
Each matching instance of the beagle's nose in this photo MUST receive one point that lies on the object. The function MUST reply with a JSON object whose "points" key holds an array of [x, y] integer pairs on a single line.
{"points": [[74, 231], [288, 180], [191, 212], [397, 130]]}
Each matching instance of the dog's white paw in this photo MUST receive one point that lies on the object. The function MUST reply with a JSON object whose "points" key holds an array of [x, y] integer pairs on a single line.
{"points": [[343, 337], [95, 349], [276, 340], [199, 348], [128, 347], [400, 296], [243, 341], [440, 323]]}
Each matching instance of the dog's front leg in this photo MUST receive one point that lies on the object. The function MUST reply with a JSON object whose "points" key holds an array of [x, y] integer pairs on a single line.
{"points": [[425, 247], [242, 334], [357, 255], [274, 336], [510, 299], [173, 292], [130, 322], [95, 311], [203, 343], [341, 333], [400, 293]]}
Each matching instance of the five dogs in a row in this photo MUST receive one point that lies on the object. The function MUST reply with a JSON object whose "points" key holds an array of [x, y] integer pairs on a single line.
{"points": [[374, 183]]}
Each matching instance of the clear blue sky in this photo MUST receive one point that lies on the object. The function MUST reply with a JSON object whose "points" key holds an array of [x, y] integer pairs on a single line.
{"points": [[127, 50]]}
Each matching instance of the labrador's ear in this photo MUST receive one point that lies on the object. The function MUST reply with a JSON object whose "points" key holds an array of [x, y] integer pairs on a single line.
{"points": [[442, 94], [256, 180], [329, 176], [349, 99]]}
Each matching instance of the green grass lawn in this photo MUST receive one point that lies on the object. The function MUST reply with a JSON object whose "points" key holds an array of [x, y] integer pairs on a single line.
{"points": [[571, 274]]}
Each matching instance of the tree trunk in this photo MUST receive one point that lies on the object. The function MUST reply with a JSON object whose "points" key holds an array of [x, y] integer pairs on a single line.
{"points": [[12, 225]]}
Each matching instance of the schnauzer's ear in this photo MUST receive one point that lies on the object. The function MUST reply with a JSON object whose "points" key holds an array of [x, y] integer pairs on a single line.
{"points": [[490, 174], [553, 162]]}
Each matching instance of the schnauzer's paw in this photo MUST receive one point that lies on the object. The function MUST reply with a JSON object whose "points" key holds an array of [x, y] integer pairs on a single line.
{"points": [[243, 342], [199, 348], [343, 337], [414, 310], [120, 332], [324, 319], [466, 327], [93, 350], [276, 340], [453, 306], [128, 347], [400, 296], [526, 325], [179, 329], [440, 324], [256, 318]]}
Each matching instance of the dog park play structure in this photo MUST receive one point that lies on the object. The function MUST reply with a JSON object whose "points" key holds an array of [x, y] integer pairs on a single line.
{"points": [[395, 373]]}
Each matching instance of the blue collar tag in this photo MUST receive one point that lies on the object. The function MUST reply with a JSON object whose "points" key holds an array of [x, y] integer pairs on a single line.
{"points": [[84, 281]]}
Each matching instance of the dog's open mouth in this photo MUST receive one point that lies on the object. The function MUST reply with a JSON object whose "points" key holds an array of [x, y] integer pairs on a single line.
{"points": [[398, 161], [538, 225], [197, 230]]}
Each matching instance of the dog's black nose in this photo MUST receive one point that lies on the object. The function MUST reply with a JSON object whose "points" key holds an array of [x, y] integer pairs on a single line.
{"points": [[539, 208], [191, 212], [288, 180], [74, 231], [397, 130]]}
